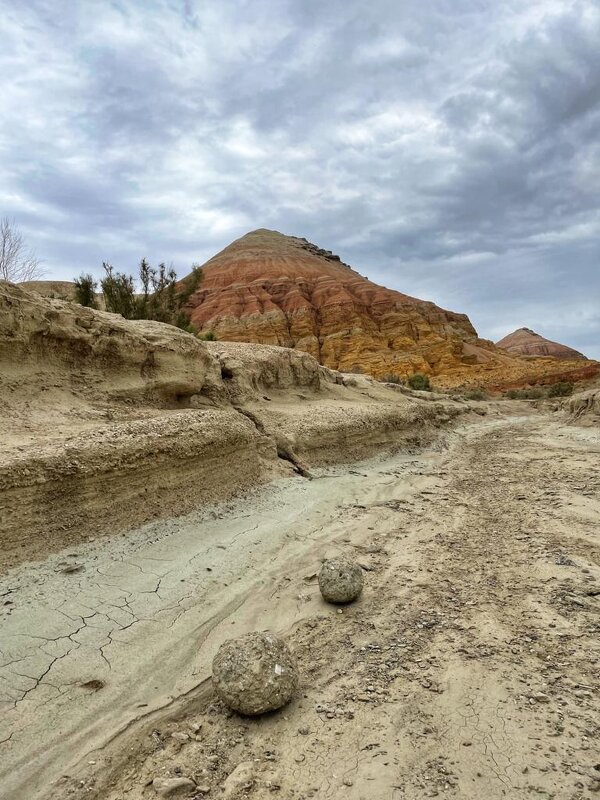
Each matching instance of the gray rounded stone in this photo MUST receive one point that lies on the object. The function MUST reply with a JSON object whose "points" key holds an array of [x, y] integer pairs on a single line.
{"points": [[340, 580], [255, 673]]}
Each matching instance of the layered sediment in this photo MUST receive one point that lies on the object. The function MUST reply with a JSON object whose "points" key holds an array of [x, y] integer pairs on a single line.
{"points": [[274, 289], [109, 423], [525, 342]]}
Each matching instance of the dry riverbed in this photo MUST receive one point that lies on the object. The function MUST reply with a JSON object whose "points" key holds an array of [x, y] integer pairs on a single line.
{"points": [[468, 668]]}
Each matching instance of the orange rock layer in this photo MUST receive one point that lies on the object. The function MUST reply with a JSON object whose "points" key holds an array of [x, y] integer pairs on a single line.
{"points": [[525, 342], [275, 289]]}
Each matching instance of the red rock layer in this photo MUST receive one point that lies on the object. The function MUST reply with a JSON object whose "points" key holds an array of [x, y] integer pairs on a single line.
{"points": [[276, 289], [525, 342], [282, 290]]}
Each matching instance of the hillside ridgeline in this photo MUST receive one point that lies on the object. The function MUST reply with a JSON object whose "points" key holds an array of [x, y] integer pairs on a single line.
{"points": [[274, 289]]}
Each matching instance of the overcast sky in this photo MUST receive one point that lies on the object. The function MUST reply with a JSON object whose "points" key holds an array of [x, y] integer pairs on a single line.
{"points": [[446, 148]]}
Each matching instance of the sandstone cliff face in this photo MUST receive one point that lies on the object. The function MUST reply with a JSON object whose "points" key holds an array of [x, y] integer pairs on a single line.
{"points": [[526, 342], [50, 347], [58, 290], [274, 289]]}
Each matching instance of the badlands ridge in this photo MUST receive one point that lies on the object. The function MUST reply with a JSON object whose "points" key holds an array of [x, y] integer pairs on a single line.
{"points": [[274, 289]]}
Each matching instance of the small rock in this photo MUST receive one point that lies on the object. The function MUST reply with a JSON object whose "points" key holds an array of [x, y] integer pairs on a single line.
{"points": [[241, 778], [173, 787], [540, 697], [180, 737], [340, 580], [72, 568]]}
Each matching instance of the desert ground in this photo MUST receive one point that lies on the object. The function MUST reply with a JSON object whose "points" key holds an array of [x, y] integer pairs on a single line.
{"points": [[160, 495], [468, 667]]}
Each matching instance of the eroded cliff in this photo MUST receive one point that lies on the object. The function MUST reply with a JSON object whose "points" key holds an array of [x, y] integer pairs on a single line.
{"points": [[526, 342], [274, 289]]}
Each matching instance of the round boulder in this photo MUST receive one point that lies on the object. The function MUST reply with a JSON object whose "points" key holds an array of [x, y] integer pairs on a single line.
{"points": [[340, 580], [255, 673]]}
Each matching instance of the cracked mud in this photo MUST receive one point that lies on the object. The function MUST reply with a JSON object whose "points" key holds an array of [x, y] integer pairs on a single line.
{"points": [[468, 668]]}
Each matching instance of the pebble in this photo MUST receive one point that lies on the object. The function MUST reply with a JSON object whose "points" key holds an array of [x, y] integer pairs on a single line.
{"points": [[540, 697], [172, 787], [242, 777]]}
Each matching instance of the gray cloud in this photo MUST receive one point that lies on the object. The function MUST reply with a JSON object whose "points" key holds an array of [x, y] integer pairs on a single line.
{"points": [[447, 148]]}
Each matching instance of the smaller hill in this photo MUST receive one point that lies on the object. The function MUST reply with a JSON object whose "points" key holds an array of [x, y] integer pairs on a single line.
{"points": [[58, 290], [525, 342]]}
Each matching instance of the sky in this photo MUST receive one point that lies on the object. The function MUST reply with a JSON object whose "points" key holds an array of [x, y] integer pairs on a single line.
{"points": [[446, 148]]}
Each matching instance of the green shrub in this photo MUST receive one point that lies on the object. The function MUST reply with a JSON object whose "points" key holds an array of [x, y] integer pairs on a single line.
{"points": [[533, 394], [181, 321], [525, 394], [562, 389], [209, 336], [189, 284], [419, 382], [119, 292], [476, 394], [160, 299], [392, 378], [85, 291]]}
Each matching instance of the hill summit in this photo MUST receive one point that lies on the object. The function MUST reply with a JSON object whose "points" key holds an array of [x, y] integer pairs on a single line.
{"points": [[526, 342], [270, 288], [275, 289]]}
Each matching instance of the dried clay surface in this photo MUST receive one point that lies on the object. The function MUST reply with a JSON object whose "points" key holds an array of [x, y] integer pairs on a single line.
{"points": [[468, 667]]}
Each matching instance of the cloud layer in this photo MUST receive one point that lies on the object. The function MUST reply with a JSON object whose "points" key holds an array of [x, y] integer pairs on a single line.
{"points": [[447, 148]]}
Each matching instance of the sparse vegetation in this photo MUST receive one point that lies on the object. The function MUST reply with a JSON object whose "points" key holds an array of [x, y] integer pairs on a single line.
{"points": [[119, 292], [160, 298], [476, 394], [562, 389], [18, 262], [189, 285], [419, 382], [85, 291], [525, 394], [207, 337], [392, 378]]}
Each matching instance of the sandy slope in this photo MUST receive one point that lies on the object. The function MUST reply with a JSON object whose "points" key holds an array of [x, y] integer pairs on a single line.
{"points": [[468, 668]]}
